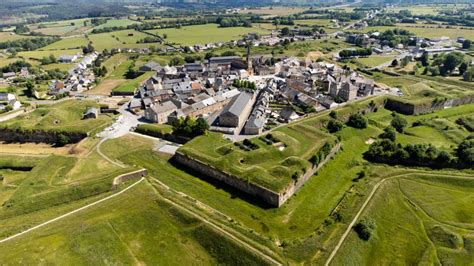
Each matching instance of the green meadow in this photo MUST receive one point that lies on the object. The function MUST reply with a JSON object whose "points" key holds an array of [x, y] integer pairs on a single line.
{"points": [[202, 34]]}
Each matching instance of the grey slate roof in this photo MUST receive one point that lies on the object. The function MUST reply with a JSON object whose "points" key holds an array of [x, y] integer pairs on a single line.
{"points": [[238, 103]]}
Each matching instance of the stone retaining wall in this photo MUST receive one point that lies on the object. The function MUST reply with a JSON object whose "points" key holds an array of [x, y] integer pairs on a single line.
{"points": [[38, 136], [268, 196], [427, 107], [128, 176]]}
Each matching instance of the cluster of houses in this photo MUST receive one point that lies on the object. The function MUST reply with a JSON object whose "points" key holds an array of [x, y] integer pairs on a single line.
{"points": [[7, 77], [80, 78], [8, 101], [418, 46], [208, 90]]}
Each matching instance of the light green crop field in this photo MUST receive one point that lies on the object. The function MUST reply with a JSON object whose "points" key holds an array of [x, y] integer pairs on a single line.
{"points": [[119, 39], [375, 60], [273, 11], [428, 31], [202, 34], [417, 220], [61, 28], [60, 66], [67, 43], [416, 9], [38, 54], [66, 115], [313, 22], [10, 36], [116, 23]]}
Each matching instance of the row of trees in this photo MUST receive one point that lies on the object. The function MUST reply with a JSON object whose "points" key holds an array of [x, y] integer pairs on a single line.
{"points": [[15, 66], [28, 44], [244, 84], [357, 52], [387, 151], [190, 127], [233, 22]]}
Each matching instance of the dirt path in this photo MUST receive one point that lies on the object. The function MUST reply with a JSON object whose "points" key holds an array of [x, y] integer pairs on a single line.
{"points": [[223, 229], [105, 156], [71, 212], [369, 198]]}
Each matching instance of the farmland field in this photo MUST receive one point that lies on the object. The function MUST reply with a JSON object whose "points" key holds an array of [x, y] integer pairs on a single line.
{"points": [[116, 23], [429, 31], [119, 39], [38, 54], [10, 36], [61, 28], [273, 11], [202, 34], [67, 43]]}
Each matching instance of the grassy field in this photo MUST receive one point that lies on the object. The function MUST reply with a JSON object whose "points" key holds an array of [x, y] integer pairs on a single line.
{"points": [[61, 28], [428, 31], [67, 43], [423, 88], [123, 22], [416, 9], [202, 34], [298, 144], [38, 54], [375, 60], [273, 11], [439, 128], [10, 36], [130, 86], [417, 220], [119, 39], [66, 115]]}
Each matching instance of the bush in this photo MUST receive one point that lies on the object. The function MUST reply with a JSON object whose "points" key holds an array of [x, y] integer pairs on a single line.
{"points": [[399, 123], [389, 133], [357, 121], [314, 160], [364, 229], [334, 126]]}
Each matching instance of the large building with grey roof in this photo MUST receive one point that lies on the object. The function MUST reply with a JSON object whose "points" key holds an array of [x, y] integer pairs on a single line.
{"points": [[237, 111]]}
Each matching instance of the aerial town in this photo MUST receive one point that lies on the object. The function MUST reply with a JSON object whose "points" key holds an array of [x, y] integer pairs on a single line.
{"points": [[216, 132]]}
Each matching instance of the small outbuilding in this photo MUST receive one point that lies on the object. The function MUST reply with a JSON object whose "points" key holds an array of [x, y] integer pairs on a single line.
{"points": [[91, 113]]}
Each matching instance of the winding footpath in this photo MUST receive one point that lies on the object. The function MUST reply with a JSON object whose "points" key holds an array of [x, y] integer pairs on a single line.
{"points": [[367, 201]]}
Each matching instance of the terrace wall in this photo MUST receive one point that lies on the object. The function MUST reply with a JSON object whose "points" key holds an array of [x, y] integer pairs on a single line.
{"points": [[38, 136], [274, 199], [128, 176], [426, 107]]}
